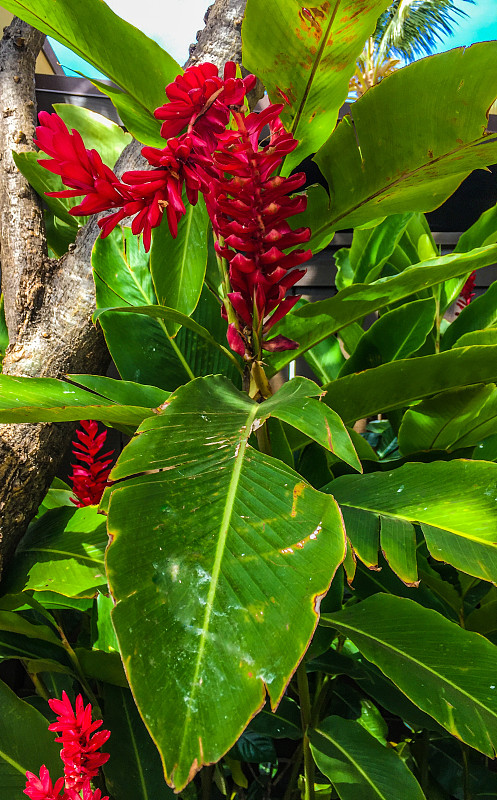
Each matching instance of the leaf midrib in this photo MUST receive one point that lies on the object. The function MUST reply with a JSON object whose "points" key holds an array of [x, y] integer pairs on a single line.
{"points": [[240, 449], [352, 761], [423, 667]]}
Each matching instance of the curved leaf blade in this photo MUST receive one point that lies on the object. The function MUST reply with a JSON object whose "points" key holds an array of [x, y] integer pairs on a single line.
{"points": [[307, 59], [403, 639], [458, 523], [387, 158], [358, 765], [205, 585]]}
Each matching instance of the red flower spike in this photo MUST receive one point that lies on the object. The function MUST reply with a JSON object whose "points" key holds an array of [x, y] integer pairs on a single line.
{"points": [[89, 481], [467, 294], [80, 743]]}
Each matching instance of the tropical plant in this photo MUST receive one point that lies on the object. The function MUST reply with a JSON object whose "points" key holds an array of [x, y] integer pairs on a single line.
{"points": [[264, 603]]}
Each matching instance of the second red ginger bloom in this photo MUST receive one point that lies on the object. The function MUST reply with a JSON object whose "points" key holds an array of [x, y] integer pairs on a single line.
{"points": [[247, 201], [90, 478], [81, 742]]}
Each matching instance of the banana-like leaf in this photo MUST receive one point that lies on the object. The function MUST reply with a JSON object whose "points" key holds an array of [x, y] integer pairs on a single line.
{"points": [[119, 50], [387, 157], [455, 502], [62, 552], [400, 383], [314, 322], [358, 765], [25, 743], [51, 400], [427, 657], [306, 60], [450, 420], [123, 392], [219, 592]]}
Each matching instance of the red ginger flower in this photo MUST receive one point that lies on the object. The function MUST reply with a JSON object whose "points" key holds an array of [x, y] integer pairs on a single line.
{"points": [[467, 294], [79, 742], [81, 761], [89, 481], [249, 212]]}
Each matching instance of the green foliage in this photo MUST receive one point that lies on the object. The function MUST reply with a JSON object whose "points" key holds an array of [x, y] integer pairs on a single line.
{"points": [[238, 515]]}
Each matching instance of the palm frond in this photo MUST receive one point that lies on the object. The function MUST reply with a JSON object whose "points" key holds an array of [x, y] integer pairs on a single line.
{"points": [[413, 28]]}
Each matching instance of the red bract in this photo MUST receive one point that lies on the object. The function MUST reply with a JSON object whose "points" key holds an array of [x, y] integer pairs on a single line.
{"points": [[89, 481], [41, 788], [467, 293], [249, 206], [79, 742]]}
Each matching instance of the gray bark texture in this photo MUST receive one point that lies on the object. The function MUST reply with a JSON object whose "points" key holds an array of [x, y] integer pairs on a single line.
{"points": [[49, 304]]}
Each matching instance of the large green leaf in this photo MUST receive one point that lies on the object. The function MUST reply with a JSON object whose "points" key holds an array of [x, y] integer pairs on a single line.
{"points": [[123, 392], [387, 157], [358, 765], [314, 322], [51, 400], [395, 335], [116, 48], [25, 744], [427, 657], [450, 420], [306, 60], [400, 383], [134, 770], [454, 501], [63, 552], [136, 119], [178, 265], [220, 590]]}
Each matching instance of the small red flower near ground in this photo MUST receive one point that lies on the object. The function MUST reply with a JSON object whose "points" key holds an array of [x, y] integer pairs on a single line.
{"points": [[89, 481], [80, 743]]}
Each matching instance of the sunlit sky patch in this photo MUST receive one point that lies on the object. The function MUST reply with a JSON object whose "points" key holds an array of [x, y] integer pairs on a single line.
{"points": [[174, 24]]}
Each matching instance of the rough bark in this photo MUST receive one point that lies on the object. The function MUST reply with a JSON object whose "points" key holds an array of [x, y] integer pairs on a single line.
{"points": [[51, 303]]}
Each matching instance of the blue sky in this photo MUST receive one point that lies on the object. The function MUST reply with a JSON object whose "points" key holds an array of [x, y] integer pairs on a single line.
{"points": [[174, 23]]}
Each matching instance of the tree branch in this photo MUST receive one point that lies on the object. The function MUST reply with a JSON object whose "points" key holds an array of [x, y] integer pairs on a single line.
{"points": [[53, 315]]}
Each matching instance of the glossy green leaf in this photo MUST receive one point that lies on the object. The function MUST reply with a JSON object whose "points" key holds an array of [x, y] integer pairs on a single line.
{"points": [[101, 666], [395, 335], [98, 132], [387, 158], [358, 765], [134, 770], [58, 494], [486, 336], [11, 622], [480, 313], [209, 603], [123, 392], [482, 232], [371, 248], [402, 382], [119, 50], [450, 421], [178, 265], [137, 119], [306, 60], [172, 316], [25, 744], [103, 634], [325, 359], [427, 657], [294, 404], [63, 552], [398, 543], [316, 321], [454, 501], [51, 400], [282, 723]]}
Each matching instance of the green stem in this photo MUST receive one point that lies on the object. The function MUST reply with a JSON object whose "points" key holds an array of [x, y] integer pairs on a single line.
{"points": [[438, 318], [40, 687], [466, 783], [79, 672], [182, 359], [305, 715]]}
